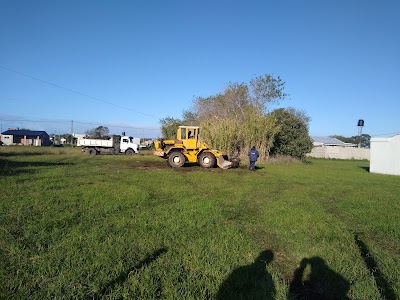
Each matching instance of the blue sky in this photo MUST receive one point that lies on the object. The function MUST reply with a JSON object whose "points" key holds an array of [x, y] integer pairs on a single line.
{"points": [[126, 64]]}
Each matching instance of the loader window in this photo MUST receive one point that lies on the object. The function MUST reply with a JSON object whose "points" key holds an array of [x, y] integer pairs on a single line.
{"points": [[183, 134], [191, 134]]}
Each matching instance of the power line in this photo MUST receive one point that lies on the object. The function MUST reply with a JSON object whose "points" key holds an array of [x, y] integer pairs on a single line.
{"points": [[25, 120], [76, 92], [78, 122], [390, 133], [118, 126]]}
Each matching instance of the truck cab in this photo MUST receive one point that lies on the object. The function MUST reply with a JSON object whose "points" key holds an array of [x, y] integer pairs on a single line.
{"points": [[128, 146]]}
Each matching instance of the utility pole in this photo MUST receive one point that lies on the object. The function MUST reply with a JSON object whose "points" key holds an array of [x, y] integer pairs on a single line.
{"points": [[360, 125], [72, 133]]}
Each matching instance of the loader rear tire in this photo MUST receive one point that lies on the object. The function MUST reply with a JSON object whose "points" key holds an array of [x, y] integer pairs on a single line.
{"points": [[207, 160], [176, 159]]}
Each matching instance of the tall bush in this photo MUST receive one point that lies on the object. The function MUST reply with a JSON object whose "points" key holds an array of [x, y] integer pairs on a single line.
{"points": [[237, 138], [293, 138], [237, 119]]}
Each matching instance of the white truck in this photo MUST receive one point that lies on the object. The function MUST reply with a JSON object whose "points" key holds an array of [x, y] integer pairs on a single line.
{"points": [[127, 145]]}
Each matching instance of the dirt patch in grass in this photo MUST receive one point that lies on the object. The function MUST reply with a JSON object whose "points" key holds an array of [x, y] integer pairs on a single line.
{"points": [[163, 165], [189, 167], [196, 168], [149, 165]]}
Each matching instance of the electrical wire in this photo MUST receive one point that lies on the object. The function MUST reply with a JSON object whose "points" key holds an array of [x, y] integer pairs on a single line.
{"points": [[25, 120], [79, 122], [385, 134], [76, 92]]}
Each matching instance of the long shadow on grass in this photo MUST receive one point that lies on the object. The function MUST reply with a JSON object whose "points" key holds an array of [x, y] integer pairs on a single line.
{"points": [[364, 168], [124, 275], [9, 154], [250, 282], [384, 287], [322, 283], [11, 168]]}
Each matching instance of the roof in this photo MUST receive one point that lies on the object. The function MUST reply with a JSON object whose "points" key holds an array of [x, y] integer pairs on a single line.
{"points": [[24, 132], [386, 139], [330, 141]]}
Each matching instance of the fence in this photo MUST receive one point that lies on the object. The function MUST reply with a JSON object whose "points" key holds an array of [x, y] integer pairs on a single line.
{"points": [[339, 152]]}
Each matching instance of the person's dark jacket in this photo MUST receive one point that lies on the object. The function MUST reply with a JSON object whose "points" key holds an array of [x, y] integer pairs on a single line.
{"points": [[253, 154]]}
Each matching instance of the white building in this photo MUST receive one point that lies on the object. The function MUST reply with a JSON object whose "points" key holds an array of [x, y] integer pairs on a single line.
{"points": [[385, 155]]}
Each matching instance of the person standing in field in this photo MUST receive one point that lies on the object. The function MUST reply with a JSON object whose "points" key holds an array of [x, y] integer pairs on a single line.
{"points": [[253, 156]]}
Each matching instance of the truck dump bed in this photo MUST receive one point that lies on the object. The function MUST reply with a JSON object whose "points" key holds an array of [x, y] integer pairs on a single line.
{"points": [[95, 142]]}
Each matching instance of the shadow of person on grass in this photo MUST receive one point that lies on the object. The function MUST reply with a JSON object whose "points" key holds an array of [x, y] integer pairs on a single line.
{"points": [[322, 283], [250, 282]]}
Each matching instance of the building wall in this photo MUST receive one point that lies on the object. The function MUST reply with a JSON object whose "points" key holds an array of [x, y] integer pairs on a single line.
{"points": [[385, 155], [7, 139], [338, 152], [45, 141], [30, 140]]}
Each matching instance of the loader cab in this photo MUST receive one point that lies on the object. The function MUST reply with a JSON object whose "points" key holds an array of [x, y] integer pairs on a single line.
{"points": [[189, 135]]}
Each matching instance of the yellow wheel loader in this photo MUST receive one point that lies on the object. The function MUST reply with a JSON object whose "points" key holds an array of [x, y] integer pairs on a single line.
{"points": [[188, 148]]}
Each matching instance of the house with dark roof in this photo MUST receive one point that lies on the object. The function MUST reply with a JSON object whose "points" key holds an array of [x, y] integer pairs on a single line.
{"points": [[25, 137]]}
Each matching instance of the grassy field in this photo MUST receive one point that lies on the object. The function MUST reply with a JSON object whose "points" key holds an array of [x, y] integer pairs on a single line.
{"points": [[78, 226]]}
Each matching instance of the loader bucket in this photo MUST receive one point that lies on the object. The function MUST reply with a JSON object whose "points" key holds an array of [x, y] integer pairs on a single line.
{"points": [[223, 164]]}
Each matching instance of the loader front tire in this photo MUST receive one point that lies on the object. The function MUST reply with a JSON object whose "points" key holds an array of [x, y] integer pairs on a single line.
{"points": [[176, 159], [207, 160]]}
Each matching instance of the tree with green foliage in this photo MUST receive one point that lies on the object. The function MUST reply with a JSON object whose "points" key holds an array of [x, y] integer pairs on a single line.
{"points": [[190, 118], [169, 127], [293, 138], [68, 137], [237, 118], [101, 132], [365, 139]]}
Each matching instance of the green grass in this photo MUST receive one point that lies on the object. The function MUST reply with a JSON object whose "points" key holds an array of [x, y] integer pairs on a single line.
{"points": [[77, 226]]}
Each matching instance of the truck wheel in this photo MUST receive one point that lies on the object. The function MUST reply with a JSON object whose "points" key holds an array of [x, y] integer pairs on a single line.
{"points": [[92, 151], [176, 159], [129, 152], [207, 160]]}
